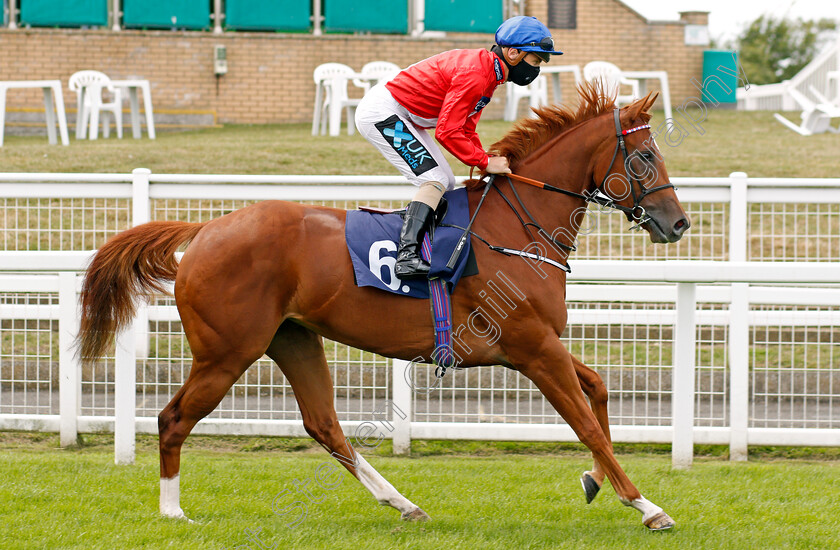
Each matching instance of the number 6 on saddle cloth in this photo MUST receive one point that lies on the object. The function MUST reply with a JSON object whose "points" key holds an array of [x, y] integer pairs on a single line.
{"points": [[372, 243]]}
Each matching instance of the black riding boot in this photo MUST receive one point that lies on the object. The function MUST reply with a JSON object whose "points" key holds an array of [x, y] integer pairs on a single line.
{"points": [[410, 265]]}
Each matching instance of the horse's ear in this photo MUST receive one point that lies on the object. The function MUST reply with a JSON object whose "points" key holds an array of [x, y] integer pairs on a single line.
{"points": [[650, 99], [635, 109]]}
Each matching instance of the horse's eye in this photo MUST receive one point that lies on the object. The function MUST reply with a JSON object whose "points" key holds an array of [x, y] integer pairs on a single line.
{"points": [[647, 155]]}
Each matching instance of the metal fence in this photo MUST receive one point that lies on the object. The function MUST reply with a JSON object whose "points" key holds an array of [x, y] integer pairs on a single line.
{"points": [[621, 325]]}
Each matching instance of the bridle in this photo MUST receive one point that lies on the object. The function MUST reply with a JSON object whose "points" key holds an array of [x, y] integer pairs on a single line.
{"points": [[599, 196], [637, 212]]}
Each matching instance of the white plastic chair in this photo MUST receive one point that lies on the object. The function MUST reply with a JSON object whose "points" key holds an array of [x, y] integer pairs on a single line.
{"points": [[88, 86], [536, 92], [816, 117], [331, 97], [610, 76], [375, 72]]}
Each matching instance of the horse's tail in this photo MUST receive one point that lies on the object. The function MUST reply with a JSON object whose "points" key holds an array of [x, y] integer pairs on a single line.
{"points": [[135, 262]]}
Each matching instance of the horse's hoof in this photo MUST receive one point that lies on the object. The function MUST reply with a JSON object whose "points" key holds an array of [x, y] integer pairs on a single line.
{"points": [[416, 515], [590, 486], [659, 522], [179, 514]]}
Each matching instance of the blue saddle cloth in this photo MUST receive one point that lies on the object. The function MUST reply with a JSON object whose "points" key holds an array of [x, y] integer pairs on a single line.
{"points": [[372, 242]]}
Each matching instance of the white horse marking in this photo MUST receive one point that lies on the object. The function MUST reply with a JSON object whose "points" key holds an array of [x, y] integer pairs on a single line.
{"points": [[170, 497], [646, 507], [382, 491]]}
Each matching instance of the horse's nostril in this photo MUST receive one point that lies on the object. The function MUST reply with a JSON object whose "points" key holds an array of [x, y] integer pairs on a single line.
{"points": [[680, 226]]}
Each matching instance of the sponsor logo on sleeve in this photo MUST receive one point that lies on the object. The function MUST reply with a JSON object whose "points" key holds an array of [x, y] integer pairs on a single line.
{"points": [[482, 103]]}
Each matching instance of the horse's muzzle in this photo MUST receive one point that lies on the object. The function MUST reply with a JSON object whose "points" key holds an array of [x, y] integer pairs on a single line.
{"points": [[663, 230]]}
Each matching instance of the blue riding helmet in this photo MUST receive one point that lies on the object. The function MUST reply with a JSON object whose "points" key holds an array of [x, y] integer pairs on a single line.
{"points": [[528, 35]]}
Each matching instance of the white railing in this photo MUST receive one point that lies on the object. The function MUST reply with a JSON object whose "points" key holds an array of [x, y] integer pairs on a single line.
{"points": [[777, 96], [765, 97], [745, 280], [142, 196], [735, 285]]}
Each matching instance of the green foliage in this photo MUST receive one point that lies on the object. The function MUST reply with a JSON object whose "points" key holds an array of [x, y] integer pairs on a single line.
{"points": [[773, 50]]}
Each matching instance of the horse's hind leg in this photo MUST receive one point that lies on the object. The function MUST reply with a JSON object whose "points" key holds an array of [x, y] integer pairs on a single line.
{"points": [[554, 374], [299, 353], [205, 387], [594, 388]]}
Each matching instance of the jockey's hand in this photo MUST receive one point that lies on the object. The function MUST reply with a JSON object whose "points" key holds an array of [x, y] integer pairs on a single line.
{"points": [[497, 165]]}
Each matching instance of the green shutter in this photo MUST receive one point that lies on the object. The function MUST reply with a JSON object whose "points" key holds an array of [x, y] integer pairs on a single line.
{"points": [[379, 16], [463, 15], [63, 13], [182, 14], [277, 15]]}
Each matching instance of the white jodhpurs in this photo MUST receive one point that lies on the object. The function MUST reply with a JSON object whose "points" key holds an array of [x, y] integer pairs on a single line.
{"points": [[401, 137]]}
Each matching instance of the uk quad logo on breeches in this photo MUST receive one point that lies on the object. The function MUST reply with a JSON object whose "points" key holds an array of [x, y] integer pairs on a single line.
{"points": [[412, 151]]}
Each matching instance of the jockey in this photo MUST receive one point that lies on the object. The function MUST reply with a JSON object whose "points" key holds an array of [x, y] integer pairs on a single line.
{"points": [[446, 92]]}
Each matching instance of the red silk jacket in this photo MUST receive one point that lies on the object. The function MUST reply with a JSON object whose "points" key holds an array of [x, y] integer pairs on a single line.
{"points": [[452, 88]]}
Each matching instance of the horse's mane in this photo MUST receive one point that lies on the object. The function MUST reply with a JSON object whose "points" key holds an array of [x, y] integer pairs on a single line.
{"points": [[530, 134]]}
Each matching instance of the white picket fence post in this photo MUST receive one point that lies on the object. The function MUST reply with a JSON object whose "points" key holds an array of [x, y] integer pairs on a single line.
{"points": [[132, 342], [739, 332], [69, 367], [684, 372], [140, 202], [141, 212], [402, 396], [125, 396]]}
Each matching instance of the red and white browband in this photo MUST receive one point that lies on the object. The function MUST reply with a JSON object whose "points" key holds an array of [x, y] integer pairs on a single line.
{"points": [[636, 129]]}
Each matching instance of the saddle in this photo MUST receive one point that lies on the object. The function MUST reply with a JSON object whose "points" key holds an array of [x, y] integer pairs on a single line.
{"points": [[440, 211]]}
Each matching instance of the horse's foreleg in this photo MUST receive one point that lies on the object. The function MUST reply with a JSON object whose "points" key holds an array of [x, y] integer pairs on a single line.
{"points": [[300, 355], [594, 388], [554, 374]]}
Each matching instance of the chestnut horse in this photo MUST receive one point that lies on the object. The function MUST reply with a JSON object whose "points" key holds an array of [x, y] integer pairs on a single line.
{"points": [[275, 277]]}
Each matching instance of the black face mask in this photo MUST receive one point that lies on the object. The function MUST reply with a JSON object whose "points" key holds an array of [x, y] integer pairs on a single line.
{"points": [[522, 73]]}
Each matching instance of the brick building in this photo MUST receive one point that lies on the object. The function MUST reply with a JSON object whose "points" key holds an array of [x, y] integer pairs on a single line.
{"points": [[269, 77]]}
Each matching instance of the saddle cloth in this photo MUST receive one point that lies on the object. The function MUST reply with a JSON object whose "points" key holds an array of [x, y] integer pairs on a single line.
{"points": [[372, 241]]}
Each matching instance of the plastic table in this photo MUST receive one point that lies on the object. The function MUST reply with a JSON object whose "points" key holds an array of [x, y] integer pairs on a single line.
{"points": [[132, 86], [51, 107]]}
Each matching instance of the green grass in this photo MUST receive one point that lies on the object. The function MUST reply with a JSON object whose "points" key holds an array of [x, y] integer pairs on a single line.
{"points": [[516, 496], [752, 142]]}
